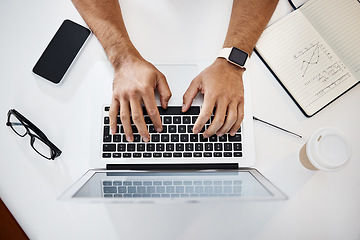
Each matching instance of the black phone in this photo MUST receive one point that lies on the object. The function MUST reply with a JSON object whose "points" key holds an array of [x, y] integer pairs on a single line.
{"points": [[61, 51]]}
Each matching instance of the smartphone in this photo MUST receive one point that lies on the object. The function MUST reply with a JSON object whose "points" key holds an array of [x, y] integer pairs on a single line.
{"points": [[61, 51]]}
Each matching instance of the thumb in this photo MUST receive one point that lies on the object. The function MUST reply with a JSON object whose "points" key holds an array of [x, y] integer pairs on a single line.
{"points": [[190, 94], [164, 90]]}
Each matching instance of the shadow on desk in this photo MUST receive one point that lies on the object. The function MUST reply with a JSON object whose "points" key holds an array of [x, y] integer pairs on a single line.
{"points": [[9, 228]]}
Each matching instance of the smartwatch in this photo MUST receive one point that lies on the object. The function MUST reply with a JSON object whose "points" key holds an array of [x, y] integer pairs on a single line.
{"points": [[235, 56]]}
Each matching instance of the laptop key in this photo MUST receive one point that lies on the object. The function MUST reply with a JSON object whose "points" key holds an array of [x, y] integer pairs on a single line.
{"points": [[223, 138], [131, 147], [194, 138], [237, 147], [106, 120], [181, 129], [165, 137], [170, 147], [109, 147], [157, 155], [208, 147], [227, 146], [227, 154], [107, 183], [175, 137], [167, 155], [184, 137], [213, 138], [186, 120], [199, 147], [177, 120], [155, 137], [237, 154], [218, 147], [140, 147], [121, 147], [167, 120], [150, 147], [110, 189], [152, 129], [190, 128], [187, 154], [107, 138], [177, 154], [160, 147], [235, 138], [106, 130], [180, 147], [217, 154], [172, 129], [207, 154], [117, 138], [194, 118], [189, 147], [137, 138]]}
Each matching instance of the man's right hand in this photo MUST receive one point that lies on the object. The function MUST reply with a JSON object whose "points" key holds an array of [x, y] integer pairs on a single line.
{"points": [[134, 83]]}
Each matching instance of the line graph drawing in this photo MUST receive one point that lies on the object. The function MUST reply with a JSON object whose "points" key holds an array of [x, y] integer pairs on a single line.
{"points": [[312, 55]]}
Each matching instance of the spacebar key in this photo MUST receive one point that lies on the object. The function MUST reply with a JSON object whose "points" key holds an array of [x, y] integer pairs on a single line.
{"points": [[195, 110]]}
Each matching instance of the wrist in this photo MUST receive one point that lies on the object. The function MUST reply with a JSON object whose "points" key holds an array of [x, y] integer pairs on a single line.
{"points": [[120, 54], [226, 65]]}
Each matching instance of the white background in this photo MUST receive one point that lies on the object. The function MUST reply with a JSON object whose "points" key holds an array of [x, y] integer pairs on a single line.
{"points": [[320, 206]]}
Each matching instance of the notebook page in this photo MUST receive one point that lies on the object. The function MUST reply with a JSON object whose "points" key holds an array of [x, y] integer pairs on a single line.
{"points": [[305, 64], [339, 24]]}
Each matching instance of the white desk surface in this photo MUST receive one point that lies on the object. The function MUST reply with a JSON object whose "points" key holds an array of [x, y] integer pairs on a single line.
{"points": [[320, 205]]}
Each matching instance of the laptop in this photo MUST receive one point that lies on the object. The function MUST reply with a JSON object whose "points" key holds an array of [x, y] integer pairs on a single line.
{"points": [[176, 165]]}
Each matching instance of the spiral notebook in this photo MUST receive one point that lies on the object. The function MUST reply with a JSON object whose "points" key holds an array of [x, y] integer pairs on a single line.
{"points": [[314, 52]]}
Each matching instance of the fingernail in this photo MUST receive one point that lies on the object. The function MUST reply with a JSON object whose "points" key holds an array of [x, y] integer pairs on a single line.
{"points": [[219, 134], [146, 139], [205, 135], [166, 104], [196, 131], [183, 107], [232, 133], [129, 139], [158, 129]]}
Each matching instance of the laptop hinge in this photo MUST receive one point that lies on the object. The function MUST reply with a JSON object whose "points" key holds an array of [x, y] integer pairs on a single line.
{"points": [[190, 166]]}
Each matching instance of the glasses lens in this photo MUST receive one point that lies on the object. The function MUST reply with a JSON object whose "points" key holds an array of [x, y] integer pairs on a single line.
{"points": [[17, 126], [41, 147]]}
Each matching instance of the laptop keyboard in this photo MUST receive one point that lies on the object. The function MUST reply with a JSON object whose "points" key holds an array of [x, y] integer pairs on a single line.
{"points": [[175, 141], [171, 188]]}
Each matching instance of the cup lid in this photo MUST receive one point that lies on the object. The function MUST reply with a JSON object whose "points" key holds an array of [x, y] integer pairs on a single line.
{"points": [[328, 150]]}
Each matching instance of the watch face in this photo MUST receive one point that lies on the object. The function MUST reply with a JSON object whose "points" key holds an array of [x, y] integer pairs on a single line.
{"points": [[237, 56]]}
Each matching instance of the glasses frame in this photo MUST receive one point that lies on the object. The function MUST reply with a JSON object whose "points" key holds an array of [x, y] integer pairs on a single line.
{"points": [[39, 135]]}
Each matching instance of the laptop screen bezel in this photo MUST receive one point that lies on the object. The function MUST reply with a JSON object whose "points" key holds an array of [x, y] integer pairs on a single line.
{"points": [[275, 193]]}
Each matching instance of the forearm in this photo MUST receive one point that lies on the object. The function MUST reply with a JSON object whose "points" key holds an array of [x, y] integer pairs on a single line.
{"points": [[248, 20], [105, 20]]}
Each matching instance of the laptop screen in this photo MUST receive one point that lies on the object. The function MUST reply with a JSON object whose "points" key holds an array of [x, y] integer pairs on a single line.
{"points": [[175, 185]]}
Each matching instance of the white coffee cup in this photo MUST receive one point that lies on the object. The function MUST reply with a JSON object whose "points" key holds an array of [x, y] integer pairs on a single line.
{"points": [[326, 150]]}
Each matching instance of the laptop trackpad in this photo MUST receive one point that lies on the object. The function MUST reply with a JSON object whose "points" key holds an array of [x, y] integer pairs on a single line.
{"points": [[179, 77]]}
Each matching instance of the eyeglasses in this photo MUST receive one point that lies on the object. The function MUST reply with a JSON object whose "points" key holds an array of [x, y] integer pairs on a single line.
{"points": [[38, 141]]}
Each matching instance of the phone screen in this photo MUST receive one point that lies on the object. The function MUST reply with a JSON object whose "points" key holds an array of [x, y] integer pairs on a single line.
{"points": [[61, 51]]}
